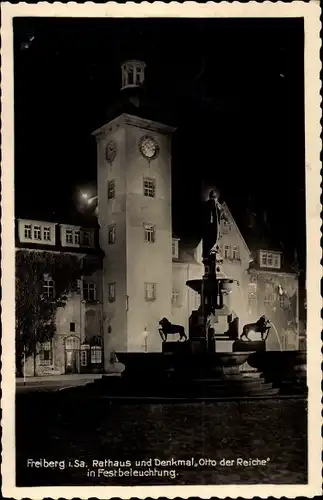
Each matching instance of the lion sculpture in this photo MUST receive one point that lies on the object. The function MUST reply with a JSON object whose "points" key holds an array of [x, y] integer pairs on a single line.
{"points": [[262, 326], [167, 328]]}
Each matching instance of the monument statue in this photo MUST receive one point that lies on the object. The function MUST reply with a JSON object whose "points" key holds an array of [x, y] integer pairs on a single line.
{"points": [[212, 214]]}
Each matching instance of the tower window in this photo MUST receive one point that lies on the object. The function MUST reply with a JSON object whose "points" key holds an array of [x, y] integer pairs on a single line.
{"points": [[175, 298], [86, 238], [47, 235], [150, 291], [150, 233], [226, 251], [133, 73], [89, 292], [149, 187], [111, 234], [111, 292], [72, 327], [27, 232], [111, 190], [37, 234]]}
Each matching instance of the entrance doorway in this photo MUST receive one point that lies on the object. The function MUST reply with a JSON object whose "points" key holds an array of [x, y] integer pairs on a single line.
{"points": [[72, 355]]}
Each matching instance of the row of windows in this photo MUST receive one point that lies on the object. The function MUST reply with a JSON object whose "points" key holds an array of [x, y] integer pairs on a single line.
{"points": [[231, 252], [72, 236], [36, 232], [46, 353], [88, 290], [149, 291], [149, 233], [76, 237], [149, 188], [149, 236], [270, 298]]}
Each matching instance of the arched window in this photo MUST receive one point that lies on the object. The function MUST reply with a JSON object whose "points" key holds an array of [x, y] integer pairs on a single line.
{"points": [[72, 343]]}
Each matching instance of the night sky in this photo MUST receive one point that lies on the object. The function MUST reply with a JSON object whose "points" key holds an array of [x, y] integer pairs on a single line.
{"points": [[232, 87]]}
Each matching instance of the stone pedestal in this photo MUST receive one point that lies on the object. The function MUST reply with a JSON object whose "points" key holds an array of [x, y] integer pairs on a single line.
{"points": [[223, 345]]}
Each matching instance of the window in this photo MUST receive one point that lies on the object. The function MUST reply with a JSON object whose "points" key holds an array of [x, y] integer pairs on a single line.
{"points": [[281, 301], [89, 292], [111, 234], [270, 259], [175, 298], [86, 238], [252, 298], [268, 300], [150, 291], [27, 231], [175, 249], [149, 233], [96, 354], [47, 233], [69, 236], [83, 358], [111, 190], [45, 353], [235, 253], [72, 327], [149, 187], [37, 234], [111, 292], [226, 252], [49, 288], [225, 227], [77, 237], [72, 343]]}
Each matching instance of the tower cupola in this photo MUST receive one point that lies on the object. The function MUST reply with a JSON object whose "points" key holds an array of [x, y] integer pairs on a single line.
{"points": [[133, 73]]}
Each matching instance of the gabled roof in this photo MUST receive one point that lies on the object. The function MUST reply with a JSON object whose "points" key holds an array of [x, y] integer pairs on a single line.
{"points": [[226, 209]]}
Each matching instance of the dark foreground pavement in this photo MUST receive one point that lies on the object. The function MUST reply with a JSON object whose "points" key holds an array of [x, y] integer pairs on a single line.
{"points": [[77, 431]]}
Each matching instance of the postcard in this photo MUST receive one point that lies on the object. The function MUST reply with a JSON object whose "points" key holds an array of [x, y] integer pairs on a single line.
{"points": [[161, 250]]}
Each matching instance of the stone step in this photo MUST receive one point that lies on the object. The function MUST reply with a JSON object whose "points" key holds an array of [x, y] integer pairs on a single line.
{"points": [[220, 381]]}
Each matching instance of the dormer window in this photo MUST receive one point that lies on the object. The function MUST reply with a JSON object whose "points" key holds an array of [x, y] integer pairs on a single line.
{"points": [[270, 259], [133, 74], [37, 233], [28, 231]]}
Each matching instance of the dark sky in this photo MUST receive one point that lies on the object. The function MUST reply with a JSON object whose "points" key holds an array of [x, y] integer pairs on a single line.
{"points": [[235, 87]]}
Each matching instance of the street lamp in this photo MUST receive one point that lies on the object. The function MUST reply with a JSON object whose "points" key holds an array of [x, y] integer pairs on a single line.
{"points": [[90, 200]]}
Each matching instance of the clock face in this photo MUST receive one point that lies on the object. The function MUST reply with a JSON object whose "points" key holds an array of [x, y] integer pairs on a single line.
{"points": [[148, 147], [111, 151]]}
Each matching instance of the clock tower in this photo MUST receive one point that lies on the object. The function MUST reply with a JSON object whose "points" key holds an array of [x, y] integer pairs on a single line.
{"points": [[134, 207]]}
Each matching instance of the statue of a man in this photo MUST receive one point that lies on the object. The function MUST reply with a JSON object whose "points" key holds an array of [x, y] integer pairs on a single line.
{"points": [[212, 214]]}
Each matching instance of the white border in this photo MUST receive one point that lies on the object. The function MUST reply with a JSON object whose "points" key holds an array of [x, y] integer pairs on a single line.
{"points": [[311, 13]]}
